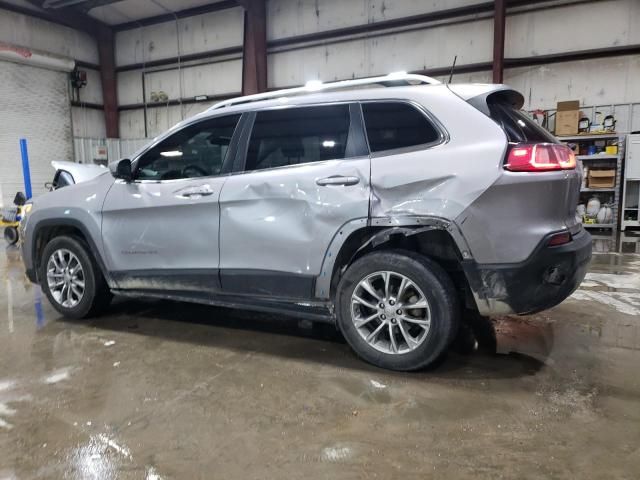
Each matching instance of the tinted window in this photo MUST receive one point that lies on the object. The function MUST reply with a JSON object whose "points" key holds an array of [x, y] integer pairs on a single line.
{"points": [[298, 135], [396, 125], [198, 150], [517, 126]]}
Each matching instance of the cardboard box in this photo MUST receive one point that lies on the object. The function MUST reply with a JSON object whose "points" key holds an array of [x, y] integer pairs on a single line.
{"points": [[602, 178], [567, 117]]}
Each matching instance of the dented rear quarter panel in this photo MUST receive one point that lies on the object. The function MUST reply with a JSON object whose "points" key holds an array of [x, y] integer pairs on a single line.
{"points": [[441, 180]]}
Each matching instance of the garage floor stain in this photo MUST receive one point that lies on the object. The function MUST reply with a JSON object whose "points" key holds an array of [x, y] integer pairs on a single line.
{"points": [[160, 390]]}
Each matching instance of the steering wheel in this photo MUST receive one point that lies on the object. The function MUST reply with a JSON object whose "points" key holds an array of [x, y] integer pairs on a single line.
{"points": [[199, 171]]}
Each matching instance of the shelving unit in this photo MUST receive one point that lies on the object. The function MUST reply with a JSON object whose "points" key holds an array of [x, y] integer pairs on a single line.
{"points": [[601, 160], [631, 197]]}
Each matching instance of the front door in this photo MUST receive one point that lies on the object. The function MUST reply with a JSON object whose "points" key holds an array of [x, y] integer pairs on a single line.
{"points": [[305, 174], [160, 232]]}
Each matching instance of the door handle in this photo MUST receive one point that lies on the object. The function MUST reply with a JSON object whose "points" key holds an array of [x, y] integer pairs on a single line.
{"points": [[337, 180], [201, 191]]}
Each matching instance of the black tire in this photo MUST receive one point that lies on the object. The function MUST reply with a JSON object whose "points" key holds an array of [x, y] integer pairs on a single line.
{"points": [[96, 295], [436, 286], [11, 235]]}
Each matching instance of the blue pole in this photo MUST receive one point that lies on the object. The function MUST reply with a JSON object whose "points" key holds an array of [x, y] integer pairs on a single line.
{"points": [[25, 168]]}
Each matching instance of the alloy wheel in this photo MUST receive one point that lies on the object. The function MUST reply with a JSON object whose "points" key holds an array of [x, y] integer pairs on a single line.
{"points": [[390, 312], [65, 278]]}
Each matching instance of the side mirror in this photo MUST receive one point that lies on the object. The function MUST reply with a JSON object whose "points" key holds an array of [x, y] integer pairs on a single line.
{"points": [[122, 169]]}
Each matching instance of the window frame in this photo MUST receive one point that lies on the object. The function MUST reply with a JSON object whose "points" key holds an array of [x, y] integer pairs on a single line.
{"points": [[356, 138], [443, 134], [227, 163]]}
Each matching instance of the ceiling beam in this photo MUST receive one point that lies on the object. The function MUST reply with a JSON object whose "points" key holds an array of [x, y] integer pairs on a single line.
{"points": [[167, 17]]}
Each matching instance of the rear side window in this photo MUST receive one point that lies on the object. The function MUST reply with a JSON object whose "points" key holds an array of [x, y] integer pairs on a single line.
{"points": [[298, 135], [392, 125], [518, 127]]}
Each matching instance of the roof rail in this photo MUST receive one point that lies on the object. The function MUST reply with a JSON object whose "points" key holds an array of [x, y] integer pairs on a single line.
{"points": [[391, 80]]}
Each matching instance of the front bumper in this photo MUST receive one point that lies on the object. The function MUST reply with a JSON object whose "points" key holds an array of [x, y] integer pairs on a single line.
{"points": [[542, 281]]}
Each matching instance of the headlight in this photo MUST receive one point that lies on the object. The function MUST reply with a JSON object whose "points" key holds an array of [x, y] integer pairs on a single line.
{"points": [[24, 213]]}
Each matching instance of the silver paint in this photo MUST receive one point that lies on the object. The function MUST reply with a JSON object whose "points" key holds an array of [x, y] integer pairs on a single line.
{"points": [[282, 220]]}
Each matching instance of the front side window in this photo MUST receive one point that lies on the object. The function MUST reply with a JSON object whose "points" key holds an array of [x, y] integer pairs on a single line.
{"points": [[292, 136], [197, 150], [392, 125]]}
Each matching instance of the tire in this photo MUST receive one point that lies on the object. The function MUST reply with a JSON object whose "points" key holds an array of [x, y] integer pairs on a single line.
{"points": [[11, 235], [432, 283], [95, 295]]}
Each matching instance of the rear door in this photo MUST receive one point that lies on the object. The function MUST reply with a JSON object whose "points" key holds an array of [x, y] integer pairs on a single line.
{"points": [[304, 174], [160, 232]]}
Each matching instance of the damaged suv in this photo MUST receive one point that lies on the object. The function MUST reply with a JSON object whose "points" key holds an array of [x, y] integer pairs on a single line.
{"points": [[388, 205]]}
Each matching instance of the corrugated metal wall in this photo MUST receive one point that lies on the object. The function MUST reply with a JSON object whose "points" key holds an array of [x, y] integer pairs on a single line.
{"points": [[85, 148]]}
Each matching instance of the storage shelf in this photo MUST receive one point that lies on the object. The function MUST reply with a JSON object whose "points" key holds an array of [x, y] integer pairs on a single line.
{"points": [[598, 225], [597, 156], [589, 137], [597, 189]]}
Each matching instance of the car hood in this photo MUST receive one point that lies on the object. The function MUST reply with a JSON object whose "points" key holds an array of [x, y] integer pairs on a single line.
{"points": [[81, 172]]}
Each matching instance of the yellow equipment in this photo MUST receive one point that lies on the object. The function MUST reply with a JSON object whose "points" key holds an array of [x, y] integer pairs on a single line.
{"points": [[10, 218]]}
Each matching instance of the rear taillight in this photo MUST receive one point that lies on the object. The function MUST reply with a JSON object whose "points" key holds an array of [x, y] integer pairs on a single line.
{"points": [[539, 157]]}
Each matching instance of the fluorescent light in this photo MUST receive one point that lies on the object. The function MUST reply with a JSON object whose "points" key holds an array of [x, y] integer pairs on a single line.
{"points": [[329, 143], [313, 85], [171, 153], [199, 98]]}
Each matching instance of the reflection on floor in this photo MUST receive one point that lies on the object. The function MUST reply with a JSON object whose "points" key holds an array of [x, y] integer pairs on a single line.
{"points": [[161, 390]]}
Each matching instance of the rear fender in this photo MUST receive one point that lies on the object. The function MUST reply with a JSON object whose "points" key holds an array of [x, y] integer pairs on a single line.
{"points": [[374, 233]]}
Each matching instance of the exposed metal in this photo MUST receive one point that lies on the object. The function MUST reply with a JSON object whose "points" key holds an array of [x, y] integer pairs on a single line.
{"points": [[390, 312], [65, 277]]}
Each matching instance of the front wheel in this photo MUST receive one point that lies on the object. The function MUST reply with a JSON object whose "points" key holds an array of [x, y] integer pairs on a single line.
{"points": [[397, 309], [71, 279]]}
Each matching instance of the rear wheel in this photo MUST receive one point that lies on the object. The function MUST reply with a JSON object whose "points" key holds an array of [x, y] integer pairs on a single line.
{"points": [[397, 309], [11, 235], [71, 279]]}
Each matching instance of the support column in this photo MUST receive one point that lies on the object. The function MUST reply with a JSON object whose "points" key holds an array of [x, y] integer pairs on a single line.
{"points": [[498, 40], [254, 58], [106, 53]]}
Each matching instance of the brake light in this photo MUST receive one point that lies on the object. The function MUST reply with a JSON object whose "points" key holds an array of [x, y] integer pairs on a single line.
{"points": [[540, 157]]}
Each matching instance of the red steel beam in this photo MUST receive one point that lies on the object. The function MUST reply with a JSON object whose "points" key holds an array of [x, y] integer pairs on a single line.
{"points": [[498, 40], [254, 58], [105, 39]]}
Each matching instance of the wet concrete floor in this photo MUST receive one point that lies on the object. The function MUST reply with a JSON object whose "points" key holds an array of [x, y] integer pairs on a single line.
{"points": [[160, 390]]}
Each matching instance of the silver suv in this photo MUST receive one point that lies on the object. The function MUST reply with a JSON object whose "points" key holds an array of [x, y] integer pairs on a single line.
{"points": [[388, 205]]}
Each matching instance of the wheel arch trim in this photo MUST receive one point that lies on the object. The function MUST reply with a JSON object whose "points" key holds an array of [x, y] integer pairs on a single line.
{"points": [[382, 230], [67, 222]]}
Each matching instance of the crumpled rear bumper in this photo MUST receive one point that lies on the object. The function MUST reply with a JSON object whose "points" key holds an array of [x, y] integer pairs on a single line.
{"points": [[544, 280]]}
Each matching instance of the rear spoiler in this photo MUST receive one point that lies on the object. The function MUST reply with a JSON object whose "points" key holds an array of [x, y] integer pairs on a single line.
{"points": [[479, 94]]}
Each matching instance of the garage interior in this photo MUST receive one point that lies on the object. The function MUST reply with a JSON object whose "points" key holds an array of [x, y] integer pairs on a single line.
{"points": [[155, 389]]}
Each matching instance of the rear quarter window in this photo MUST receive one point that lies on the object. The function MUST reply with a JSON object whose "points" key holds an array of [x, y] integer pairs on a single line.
{"points": [[518, 127], [394, 125]]}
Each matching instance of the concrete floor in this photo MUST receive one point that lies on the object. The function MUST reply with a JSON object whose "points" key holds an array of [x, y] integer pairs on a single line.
{"points": [[161, 390]]}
